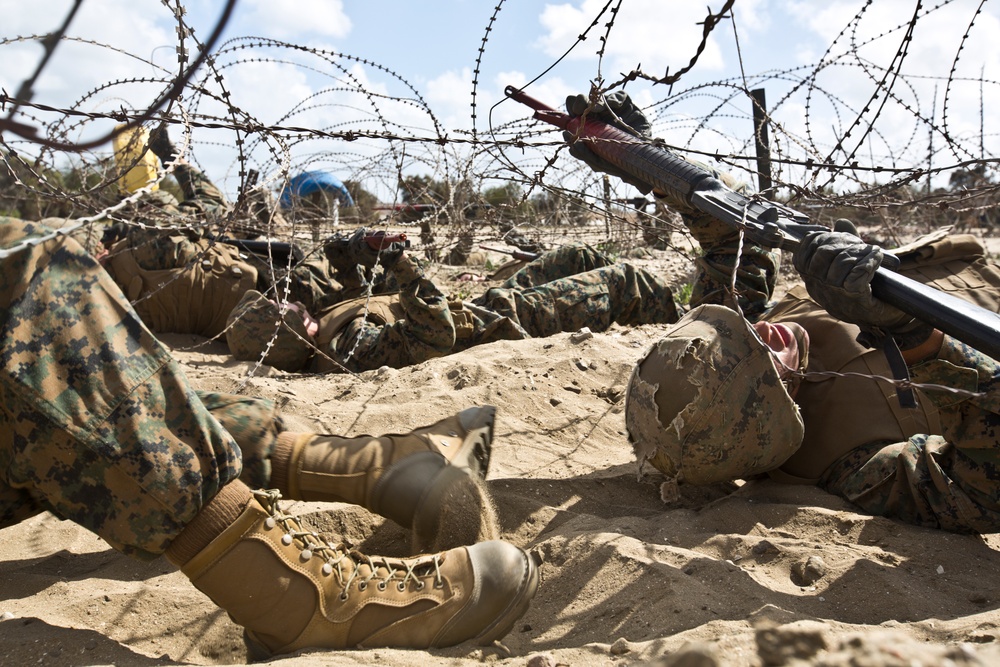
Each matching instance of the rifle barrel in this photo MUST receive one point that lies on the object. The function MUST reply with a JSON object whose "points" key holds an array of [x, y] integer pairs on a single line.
{"points": [[781, 226]]}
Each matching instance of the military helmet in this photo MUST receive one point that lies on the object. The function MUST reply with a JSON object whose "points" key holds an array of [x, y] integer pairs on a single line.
{"points": [[254, 324], [706, 403]]}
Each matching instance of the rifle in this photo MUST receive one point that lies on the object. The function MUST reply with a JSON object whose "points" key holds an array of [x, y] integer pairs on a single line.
{"points": [[379, 240], [338, 249], [520, 255], [766, 223], [278, 251]]}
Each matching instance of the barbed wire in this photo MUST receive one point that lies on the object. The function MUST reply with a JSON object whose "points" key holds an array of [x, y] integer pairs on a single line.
{"points": [[378, 132]]}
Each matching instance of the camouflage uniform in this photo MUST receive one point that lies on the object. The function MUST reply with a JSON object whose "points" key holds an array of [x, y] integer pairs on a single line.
{"points": [[99, 423], [194, 269], [576, 287], [564, 290], [203, 201], [177, 282], [163, 273], [936, 465], [946, 480], [758, 267]]}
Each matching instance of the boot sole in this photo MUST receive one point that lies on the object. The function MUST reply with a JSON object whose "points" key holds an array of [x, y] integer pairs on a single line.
{"points": [[445, 504], [476, 449], [505, 622], [456, 511]]}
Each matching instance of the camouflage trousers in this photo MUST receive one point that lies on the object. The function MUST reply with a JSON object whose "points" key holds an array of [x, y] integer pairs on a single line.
{"points": [[564, 290], [568, 260], [919, 481], [99, 424], [576, 287]]}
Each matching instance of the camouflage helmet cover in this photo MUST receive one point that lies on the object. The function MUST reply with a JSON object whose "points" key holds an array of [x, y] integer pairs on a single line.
{"points": [[706, 403], [253, 323]]}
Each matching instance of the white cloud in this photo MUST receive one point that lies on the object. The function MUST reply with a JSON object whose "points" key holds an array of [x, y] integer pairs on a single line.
{"points": [[651, 33], [132, 29], [450, 95], [296, 20], [778, 40]]}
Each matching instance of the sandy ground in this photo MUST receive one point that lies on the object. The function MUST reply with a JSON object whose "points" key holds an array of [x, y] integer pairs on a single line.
{"points": [[751, 574]]}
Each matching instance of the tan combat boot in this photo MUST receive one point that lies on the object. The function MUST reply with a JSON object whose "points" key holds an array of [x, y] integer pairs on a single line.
{"points": [[290, 589], [429, 480]]}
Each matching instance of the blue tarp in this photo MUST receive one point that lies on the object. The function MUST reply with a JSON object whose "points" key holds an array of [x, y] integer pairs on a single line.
{"points": [[309, 182]]}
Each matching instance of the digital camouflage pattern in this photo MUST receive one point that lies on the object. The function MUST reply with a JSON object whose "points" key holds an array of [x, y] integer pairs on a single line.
{"points": [[706, 404], [946, 480], [177, 248], [178, 284], [426, 330], [547, 296], [203, 201], [563, 290], [567, 260], [935, 465], [254, 423], [757, 272], [257, 330], [100, 425], [551, 294]]}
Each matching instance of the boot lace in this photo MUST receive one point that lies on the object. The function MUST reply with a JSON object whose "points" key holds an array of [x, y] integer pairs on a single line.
{"points": [[346, 561]]}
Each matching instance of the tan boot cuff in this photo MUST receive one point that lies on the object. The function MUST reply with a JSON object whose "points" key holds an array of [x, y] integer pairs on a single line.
{"points": [[218, 514], [284, 463]]}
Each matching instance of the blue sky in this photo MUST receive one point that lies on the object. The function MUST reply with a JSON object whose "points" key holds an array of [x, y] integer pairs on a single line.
{"points": [[433, 45]]}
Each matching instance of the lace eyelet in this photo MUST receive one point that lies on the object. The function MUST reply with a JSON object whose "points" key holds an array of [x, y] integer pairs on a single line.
{"points": [[363, 586], [343, 596], [381, 585], [401, 586], [438, 584], [420, 585]]}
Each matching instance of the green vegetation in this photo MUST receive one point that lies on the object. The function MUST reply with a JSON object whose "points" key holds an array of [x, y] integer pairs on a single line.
{"points": [[682, 293]]}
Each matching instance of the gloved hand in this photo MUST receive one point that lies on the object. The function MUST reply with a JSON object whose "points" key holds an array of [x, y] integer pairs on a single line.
{"points": [[114, 233], [838, 268], [618, 110], [159, 142]]}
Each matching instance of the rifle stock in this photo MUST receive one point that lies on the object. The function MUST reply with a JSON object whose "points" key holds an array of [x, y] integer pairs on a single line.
{"points": [[764, 222], [278, 251], [378, 240]]}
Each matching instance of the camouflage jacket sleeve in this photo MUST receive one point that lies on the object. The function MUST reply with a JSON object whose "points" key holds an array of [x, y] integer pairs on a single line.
{"points": [[948, 480], [426, 331], [953, 480], [756, 268], [757, 271]]}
